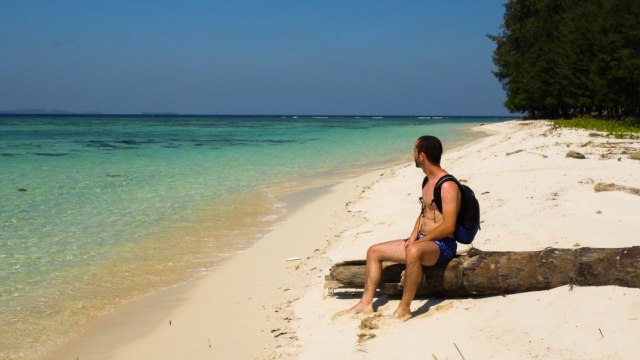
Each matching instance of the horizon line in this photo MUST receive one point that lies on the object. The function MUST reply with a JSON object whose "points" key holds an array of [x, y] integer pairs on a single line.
{"points": [[167, 114]]}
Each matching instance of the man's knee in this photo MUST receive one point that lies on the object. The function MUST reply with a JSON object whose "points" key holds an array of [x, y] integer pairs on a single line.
{"points": [[377, 251], [414, 254], [373, 252]]}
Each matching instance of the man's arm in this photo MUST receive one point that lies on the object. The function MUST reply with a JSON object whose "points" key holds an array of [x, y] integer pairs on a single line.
{"points": [[450, 195]]}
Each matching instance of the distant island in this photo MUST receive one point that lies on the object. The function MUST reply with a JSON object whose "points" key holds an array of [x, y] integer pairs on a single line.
{"points": [[36, 111]]}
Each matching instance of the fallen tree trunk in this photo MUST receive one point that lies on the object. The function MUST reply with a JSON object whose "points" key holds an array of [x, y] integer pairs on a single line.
{"points": [[497, 273]]}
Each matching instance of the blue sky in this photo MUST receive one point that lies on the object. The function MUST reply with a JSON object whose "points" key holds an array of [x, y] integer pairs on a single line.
{"points": [[251, 57]]}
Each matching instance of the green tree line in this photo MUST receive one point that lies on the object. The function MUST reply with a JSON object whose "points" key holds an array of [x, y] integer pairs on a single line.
{"points": [[567, 58]]}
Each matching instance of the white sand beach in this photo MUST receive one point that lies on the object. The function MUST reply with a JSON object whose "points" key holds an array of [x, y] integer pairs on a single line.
{"points": [[269, 301]]}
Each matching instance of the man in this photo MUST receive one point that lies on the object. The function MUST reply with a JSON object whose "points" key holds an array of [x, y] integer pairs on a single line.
{"points": [[431, 241]]}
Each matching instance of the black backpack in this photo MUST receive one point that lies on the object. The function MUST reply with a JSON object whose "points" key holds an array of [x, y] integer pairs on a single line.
{"points": [[468, 221]]}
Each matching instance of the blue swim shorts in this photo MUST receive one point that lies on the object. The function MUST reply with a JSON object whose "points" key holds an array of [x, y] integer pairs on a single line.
{"points": [[447, 246]]}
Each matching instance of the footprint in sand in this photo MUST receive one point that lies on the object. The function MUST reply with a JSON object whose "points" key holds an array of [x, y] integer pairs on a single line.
{"points": [[368, 324], [374, 322]]}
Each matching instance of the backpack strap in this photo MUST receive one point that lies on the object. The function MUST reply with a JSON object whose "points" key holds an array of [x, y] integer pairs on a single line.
{"points": [[437, 195]]}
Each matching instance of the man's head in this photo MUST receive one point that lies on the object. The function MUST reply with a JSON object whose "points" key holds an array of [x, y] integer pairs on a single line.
{"points": [[430, 147]]}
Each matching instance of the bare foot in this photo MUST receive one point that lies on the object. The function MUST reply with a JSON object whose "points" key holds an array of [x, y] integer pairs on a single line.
{"points": [[402, 313], [359, 308]]}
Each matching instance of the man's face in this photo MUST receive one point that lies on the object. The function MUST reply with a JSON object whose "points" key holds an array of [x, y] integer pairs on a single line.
{"points": [[416, 156]]}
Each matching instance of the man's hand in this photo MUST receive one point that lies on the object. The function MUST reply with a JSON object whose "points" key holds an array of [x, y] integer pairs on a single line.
{"points": [[410, 242]]}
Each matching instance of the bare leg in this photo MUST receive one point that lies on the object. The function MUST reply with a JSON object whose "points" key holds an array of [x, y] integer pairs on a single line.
{"points": [[418, 254], [387, 251]]}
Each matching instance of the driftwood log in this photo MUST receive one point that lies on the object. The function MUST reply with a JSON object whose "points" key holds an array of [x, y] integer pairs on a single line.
{"points": [[486, 273]]}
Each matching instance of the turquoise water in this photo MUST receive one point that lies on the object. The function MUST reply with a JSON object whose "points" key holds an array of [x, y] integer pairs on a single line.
{"points": [[99, 210]]}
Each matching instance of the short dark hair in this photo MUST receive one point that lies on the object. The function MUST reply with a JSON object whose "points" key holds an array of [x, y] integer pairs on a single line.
{"points": [[431, 147]]}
